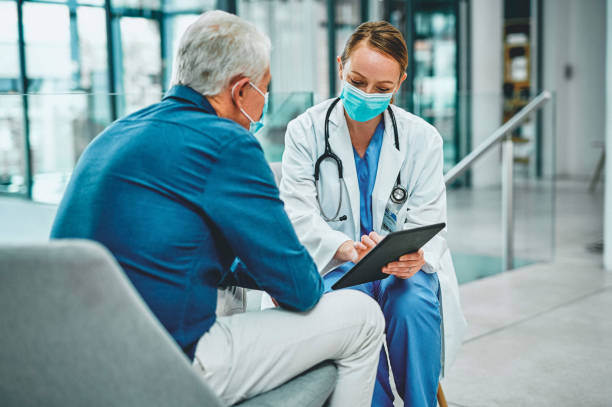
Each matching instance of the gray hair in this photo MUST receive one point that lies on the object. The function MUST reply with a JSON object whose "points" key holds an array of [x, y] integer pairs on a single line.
{"points": [[217, 47]]}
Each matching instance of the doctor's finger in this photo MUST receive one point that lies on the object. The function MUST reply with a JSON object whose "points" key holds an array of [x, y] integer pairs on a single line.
{"points": [[402, 269], [402, 275], [405, 264], [411, 256], [360, 246], [375, 237], [367, 241]]}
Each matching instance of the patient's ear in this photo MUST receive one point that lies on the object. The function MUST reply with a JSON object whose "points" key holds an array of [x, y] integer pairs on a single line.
{"points": [[237, 89]]}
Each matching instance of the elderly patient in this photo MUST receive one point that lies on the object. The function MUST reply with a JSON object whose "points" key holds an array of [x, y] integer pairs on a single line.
{"points": [[179, 190]]}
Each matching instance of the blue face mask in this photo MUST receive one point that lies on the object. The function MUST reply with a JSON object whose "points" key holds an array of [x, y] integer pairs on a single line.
{"points": [[255, 126], [258, 125], [362, 106]]}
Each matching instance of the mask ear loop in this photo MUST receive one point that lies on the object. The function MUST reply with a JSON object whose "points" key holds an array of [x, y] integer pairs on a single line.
{"points": [[251, 121]]}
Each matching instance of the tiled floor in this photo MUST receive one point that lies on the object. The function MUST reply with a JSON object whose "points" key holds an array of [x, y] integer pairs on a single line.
{"points": [[541, 335]]}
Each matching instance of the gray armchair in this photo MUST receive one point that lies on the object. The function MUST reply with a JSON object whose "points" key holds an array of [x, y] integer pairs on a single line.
{"points": [[75, 332]]}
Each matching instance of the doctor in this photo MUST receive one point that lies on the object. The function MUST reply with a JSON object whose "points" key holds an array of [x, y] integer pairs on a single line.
{"points": [[356, 168]]}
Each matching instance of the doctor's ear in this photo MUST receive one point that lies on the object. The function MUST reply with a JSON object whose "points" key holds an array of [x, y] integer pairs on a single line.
{"points": [[402, 79], [340, 67]]}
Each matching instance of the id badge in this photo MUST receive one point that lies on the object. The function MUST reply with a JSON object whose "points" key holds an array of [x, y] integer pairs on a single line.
{"points": [[390, 217]]}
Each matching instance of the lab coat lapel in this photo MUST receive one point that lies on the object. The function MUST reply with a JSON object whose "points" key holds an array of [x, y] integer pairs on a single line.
{"points": [[390, 163], [340, 142]]}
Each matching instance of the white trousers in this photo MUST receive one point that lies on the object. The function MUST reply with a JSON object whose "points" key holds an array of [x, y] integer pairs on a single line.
{"points": [[246, 354]]}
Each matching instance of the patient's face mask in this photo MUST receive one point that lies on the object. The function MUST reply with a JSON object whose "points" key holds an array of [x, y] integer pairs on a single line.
{"points": [[255, 126], [362, 106]]}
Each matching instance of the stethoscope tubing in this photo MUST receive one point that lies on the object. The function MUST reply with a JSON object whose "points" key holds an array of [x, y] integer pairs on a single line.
{"points": [[329, 154]]}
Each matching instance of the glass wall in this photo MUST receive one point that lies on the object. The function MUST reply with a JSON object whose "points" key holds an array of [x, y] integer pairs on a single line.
{"points": [[348, 16], [51, 69], [433, 30], [71, 67], [435, 72], [141, 63], [12, 148], [298, 32]]}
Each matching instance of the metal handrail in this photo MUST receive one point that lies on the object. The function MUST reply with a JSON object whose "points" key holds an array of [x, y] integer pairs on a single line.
{"points": [[501, 135], [497, 136]]}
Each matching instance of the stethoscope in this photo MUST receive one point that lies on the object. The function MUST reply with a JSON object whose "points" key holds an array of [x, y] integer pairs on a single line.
{"points": [[398, 194]]}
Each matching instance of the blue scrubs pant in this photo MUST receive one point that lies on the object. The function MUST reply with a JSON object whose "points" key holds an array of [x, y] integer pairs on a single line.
{"points": [[412, 312]]}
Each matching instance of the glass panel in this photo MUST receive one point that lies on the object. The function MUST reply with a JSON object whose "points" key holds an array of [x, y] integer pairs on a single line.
{"points": [[55, 120], [91, 2], [199, 6], [12, 152], [137, 4], [141, 52], [64, 53], [175, 27], [77, 2], [398, 13], [534, 197], [477, 251], [50, 69], [348, 18], [9, 63], [93, 67], [48, 54], [93, 71], [435, 73], [298, 31], [321, 51], [432, 26], [12, 157], [282, 108]]}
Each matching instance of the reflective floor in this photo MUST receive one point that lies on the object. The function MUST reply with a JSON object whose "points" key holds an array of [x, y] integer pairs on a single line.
{"points": [[540, 335], [475, 230]]}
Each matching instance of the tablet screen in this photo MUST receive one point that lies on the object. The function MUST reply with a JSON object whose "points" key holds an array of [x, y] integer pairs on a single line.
{"points": [[390, 249]]}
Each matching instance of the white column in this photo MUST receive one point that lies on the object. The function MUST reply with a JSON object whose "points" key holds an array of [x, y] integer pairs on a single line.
{"points": [[608, 193], [487, 71]]}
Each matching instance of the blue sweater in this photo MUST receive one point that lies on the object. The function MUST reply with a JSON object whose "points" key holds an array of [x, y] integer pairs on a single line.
{"points": [[177, 193]]}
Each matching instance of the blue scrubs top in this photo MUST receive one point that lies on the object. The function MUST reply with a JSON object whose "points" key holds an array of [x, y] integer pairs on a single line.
{"points": [[366, 176]]}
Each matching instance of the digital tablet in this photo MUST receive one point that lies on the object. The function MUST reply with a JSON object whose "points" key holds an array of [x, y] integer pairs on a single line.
{"points": [[390, 249]]}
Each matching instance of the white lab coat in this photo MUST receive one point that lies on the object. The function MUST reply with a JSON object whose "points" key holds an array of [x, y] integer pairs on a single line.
{"points": [[419, 160]]}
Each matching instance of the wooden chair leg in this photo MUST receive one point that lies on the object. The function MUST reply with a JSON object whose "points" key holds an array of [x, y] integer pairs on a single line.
{"points": [[441, 398]]}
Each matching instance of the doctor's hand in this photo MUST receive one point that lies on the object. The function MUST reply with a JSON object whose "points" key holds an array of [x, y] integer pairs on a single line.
{"points": [[346, 252], [366, 244], [406, 266], [355, 251]]}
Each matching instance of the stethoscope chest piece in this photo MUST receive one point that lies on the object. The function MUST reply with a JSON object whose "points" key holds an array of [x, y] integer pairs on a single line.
{"points": [[399, 194]]}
